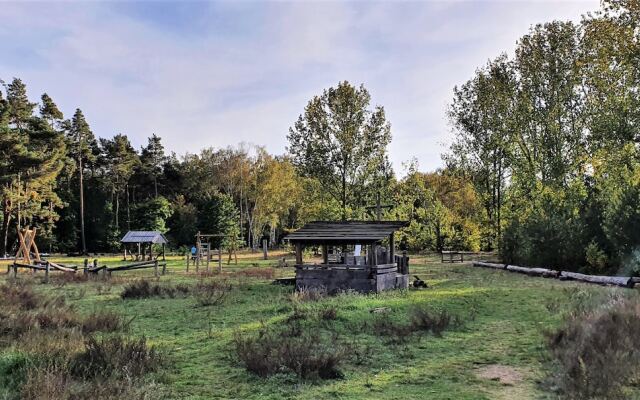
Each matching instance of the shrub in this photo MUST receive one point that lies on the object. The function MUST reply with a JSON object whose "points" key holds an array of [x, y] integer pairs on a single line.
{"points": [[397, 332], [209, 293], [305, 294], [329, 313], [306, 354], [425, 320], [596, 258], [102, 321], [115, 357], [596, 351], [143, 289], [19, 296]]}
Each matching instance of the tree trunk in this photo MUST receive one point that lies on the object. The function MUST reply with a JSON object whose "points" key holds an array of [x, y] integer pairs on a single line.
{"points": [[5, 226], [81, 178], [128, 209]]}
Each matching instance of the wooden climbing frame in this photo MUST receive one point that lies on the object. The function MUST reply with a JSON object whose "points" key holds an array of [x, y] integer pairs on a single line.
{"points": [[27, 246]]}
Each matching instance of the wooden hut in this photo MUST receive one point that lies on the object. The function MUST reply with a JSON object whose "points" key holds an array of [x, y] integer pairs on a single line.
{"points": [[144, 241], [375, 269]]}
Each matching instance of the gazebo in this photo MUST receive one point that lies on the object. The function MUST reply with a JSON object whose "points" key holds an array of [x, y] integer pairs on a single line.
{"points": [[142, 239], [377, 270]]}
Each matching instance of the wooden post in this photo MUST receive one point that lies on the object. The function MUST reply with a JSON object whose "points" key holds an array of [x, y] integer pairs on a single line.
{"points": [[15, 270], [325, 254], [163, 258], [219, 259], [139, 250], [392, 251], [155, 268], [86, 266], [164, 268], [299, 253], [208, 254], [46, 272], [405, 262], [9, 268], [198, 252], [264, 249], [188, 259]]}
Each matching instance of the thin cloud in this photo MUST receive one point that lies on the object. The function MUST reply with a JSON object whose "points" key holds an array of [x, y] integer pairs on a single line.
{"points": [[216, 74]]}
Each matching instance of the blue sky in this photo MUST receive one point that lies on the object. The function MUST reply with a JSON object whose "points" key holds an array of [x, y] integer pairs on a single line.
{"points": [[216, 74]]}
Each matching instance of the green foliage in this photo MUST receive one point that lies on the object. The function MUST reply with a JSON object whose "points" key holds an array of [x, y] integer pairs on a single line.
{"points": [[342, 143], [152, 215], [548, 139]]}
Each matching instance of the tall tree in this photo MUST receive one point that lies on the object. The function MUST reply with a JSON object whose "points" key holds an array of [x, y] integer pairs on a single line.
{"points": [[120, 160], [339, 140], [152, 159], [82, 141]]}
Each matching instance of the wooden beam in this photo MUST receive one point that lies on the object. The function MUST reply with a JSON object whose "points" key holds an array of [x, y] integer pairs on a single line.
{"points": [[298, 253], [325, 254]]}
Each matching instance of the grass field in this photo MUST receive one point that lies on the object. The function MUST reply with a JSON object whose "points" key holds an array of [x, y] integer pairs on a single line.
{"points": [[503, 314]]}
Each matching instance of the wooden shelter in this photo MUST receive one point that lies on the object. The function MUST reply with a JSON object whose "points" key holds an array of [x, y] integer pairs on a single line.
{"points": [[379, 269], [144, 241]]}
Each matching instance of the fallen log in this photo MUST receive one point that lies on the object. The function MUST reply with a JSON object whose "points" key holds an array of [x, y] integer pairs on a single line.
{"points": [[623, 281], [543, 272], [489, 265]]}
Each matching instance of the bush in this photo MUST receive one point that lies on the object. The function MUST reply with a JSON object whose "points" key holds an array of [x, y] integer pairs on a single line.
{"points": [[102, 321], [596, 350], [428, 321], [329, 313], [209, 293], [305, 294], [397, 332], [143, 289], [115, 357], [19, 296], [306, 353], [596, 258], [420, 320]]}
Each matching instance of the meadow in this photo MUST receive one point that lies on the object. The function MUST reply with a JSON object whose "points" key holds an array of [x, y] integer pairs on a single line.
{"points": [[495, 350]]}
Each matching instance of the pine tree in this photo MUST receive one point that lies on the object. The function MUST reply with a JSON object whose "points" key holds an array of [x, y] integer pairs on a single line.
{"points": [[82, 140]]}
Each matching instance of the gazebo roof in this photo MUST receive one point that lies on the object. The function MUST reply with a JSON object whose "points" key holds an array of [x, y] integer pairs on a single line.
{"points": [[347, 232], [155, 237]]}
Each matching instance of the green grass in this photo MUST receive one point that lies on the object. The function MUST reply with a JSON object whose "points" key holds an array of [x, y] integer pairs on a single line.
{"points": [[504, 314]]}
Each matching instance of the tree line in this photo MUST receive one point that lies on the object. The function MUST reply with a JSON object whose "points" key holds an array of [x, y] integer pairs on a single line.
{"points": [[549, 137], [83, 193]]}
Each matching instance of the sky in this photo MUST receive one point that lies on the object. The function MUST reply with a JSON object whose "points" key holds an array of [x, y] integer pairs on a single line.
{"points": [[201, 74]]}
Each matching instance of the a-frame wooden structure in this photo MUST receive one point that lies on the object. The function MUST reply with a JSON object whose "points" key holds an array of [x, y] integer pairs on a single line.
{"points": [[27, 246]]}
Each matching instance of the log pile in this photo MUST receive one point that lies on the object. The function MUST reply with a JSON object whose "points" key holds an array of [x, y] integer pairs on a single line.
{"points": [[622, 281]]}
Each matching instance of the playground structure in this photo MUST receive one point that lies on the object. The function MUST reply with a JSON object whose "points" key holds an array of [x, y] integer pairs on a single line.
{"points": [[144, 241], [204, 252], [28, 257]]}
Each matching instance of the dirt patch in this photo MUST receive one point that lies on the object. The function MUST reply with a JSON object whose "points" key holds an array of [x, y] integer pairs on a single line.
{"points": [[501, 373]]}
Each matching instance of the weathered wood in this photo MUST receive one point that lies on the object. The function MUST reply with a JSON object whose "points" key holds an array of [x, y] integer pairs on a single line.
{"points": [[155, 267], [264, 249], [489, 265], [60, 267], [543, 272], [622, 281], [46, 272]]}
